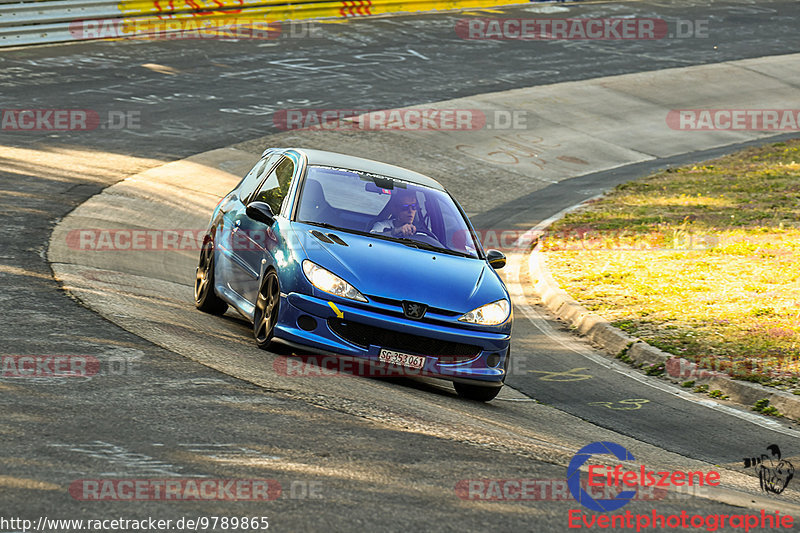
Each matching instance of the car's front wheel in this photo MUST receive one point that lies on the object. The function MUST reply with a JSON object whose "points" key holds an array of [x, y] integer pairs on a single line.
{"points": [[478, 393], [266, 313], [205, 297]]}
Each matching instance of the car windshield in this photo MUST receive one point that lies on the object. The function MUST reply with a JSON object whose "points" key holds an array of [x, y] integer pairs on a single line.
{"points": [[385, 207]]}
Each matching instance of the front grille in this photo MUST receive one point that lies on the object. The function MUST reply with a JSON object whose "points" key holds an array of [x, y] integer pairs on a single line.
{"points": [[363, 335], [399, 305]]}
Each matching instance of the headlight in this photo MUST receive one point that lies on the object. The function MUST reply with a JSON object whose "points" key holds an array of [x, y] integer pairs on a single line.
{"points": [[489, 314], [329, 282]]}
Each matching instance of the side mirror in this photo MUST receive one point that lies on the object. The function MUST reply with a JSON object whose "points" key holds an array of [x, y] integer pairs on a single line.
{"points": [[261, 212], [496, 259]]}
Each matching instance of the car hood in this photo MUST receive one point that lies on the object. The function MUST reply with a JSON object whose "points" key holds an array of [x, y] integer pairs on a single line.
{"points": [[393, 270]]}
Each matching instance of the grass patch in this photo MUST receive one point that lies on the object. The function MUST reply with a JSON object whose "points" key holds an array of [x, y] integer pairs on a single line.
{"points": [[762, 406], [623, 356], [702, 262], [655, 370]]}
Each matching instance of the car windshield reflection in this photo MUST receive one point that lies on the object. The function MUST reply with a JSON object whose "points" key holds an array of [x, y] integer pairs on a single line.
{"points": [[385, 208]]}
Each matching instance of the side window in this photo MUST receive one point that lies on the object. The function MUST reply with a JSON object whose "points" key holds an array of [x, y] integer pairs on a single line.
{"points": [[254, 177], [276, 186]]}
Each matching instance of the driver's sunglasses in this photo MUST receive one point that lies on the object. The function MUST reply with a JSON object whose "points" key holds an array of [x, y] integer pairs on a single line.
{"points": [[408, 206]]}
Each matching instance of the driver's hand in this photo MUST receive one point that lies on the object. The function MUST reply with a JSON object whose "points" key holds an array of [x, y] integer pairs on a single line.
{"points": [[405, 230]]}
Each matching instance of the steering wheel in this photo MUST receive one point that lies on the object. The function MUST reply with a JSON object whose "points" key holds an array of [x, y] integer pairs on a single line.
{"points": [[433, 240]]}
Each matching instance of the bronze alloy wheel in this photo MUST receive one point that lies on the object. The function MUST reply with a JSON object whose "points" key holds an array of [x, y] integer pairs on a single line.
{"points": [[266, 312], [205, 297]]}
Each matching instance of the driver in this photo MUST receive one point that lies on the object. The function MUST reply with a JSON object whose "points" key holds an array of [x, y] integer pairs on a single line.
{"points": [[400, 223]]}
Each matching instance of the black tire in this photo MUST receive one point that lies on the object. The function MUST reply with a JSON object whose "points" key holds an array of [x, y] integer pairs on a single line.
{"points": [[476, 393], [205, 297], [265, 315]]}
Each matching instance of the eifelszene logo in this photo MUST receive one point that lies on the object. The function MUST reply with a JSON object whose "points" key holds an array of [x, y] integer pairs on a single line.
{"points": [[774, 473], [617, 477]]}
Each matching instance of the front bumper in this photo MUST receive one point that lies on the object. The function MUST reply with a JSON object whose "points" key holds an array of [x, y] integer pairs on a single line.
{"points": [[487, 363]]}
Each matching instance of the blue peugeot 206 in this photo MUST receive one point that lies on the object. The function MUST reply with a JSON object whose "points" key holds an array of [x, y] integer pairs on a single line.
{"points": [[343, 255]]}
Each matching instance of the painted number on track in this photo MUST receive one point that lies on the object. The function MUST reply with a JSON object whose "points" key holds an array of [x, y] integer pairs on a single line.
{"points": [[623, 405]]}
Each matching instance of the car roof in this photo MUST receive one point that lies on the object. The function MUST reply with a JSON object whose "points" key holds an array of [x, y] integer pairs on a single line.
{"points": [[332, 159]]}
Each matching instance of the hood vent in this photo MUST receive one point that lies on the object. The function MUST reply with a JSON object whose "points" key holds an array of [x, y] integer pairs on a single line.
{"points": [[321, 236], [338, 240]]}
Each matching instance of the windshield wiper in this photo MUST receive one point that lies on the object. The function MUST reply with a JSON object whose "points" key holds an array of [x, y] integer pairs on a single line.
{"points": [[337, 228], [430, 247], [323, 225]]}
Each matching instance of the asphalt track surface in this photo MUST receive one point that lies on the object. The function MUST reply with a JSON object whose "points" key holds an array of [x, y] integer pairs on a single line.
{"points": [[154, 414]]}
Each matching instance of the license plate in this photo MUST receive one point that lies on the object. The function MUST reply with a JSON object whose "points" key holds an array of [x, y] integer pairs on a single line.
{"points": [[401, 359]]}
